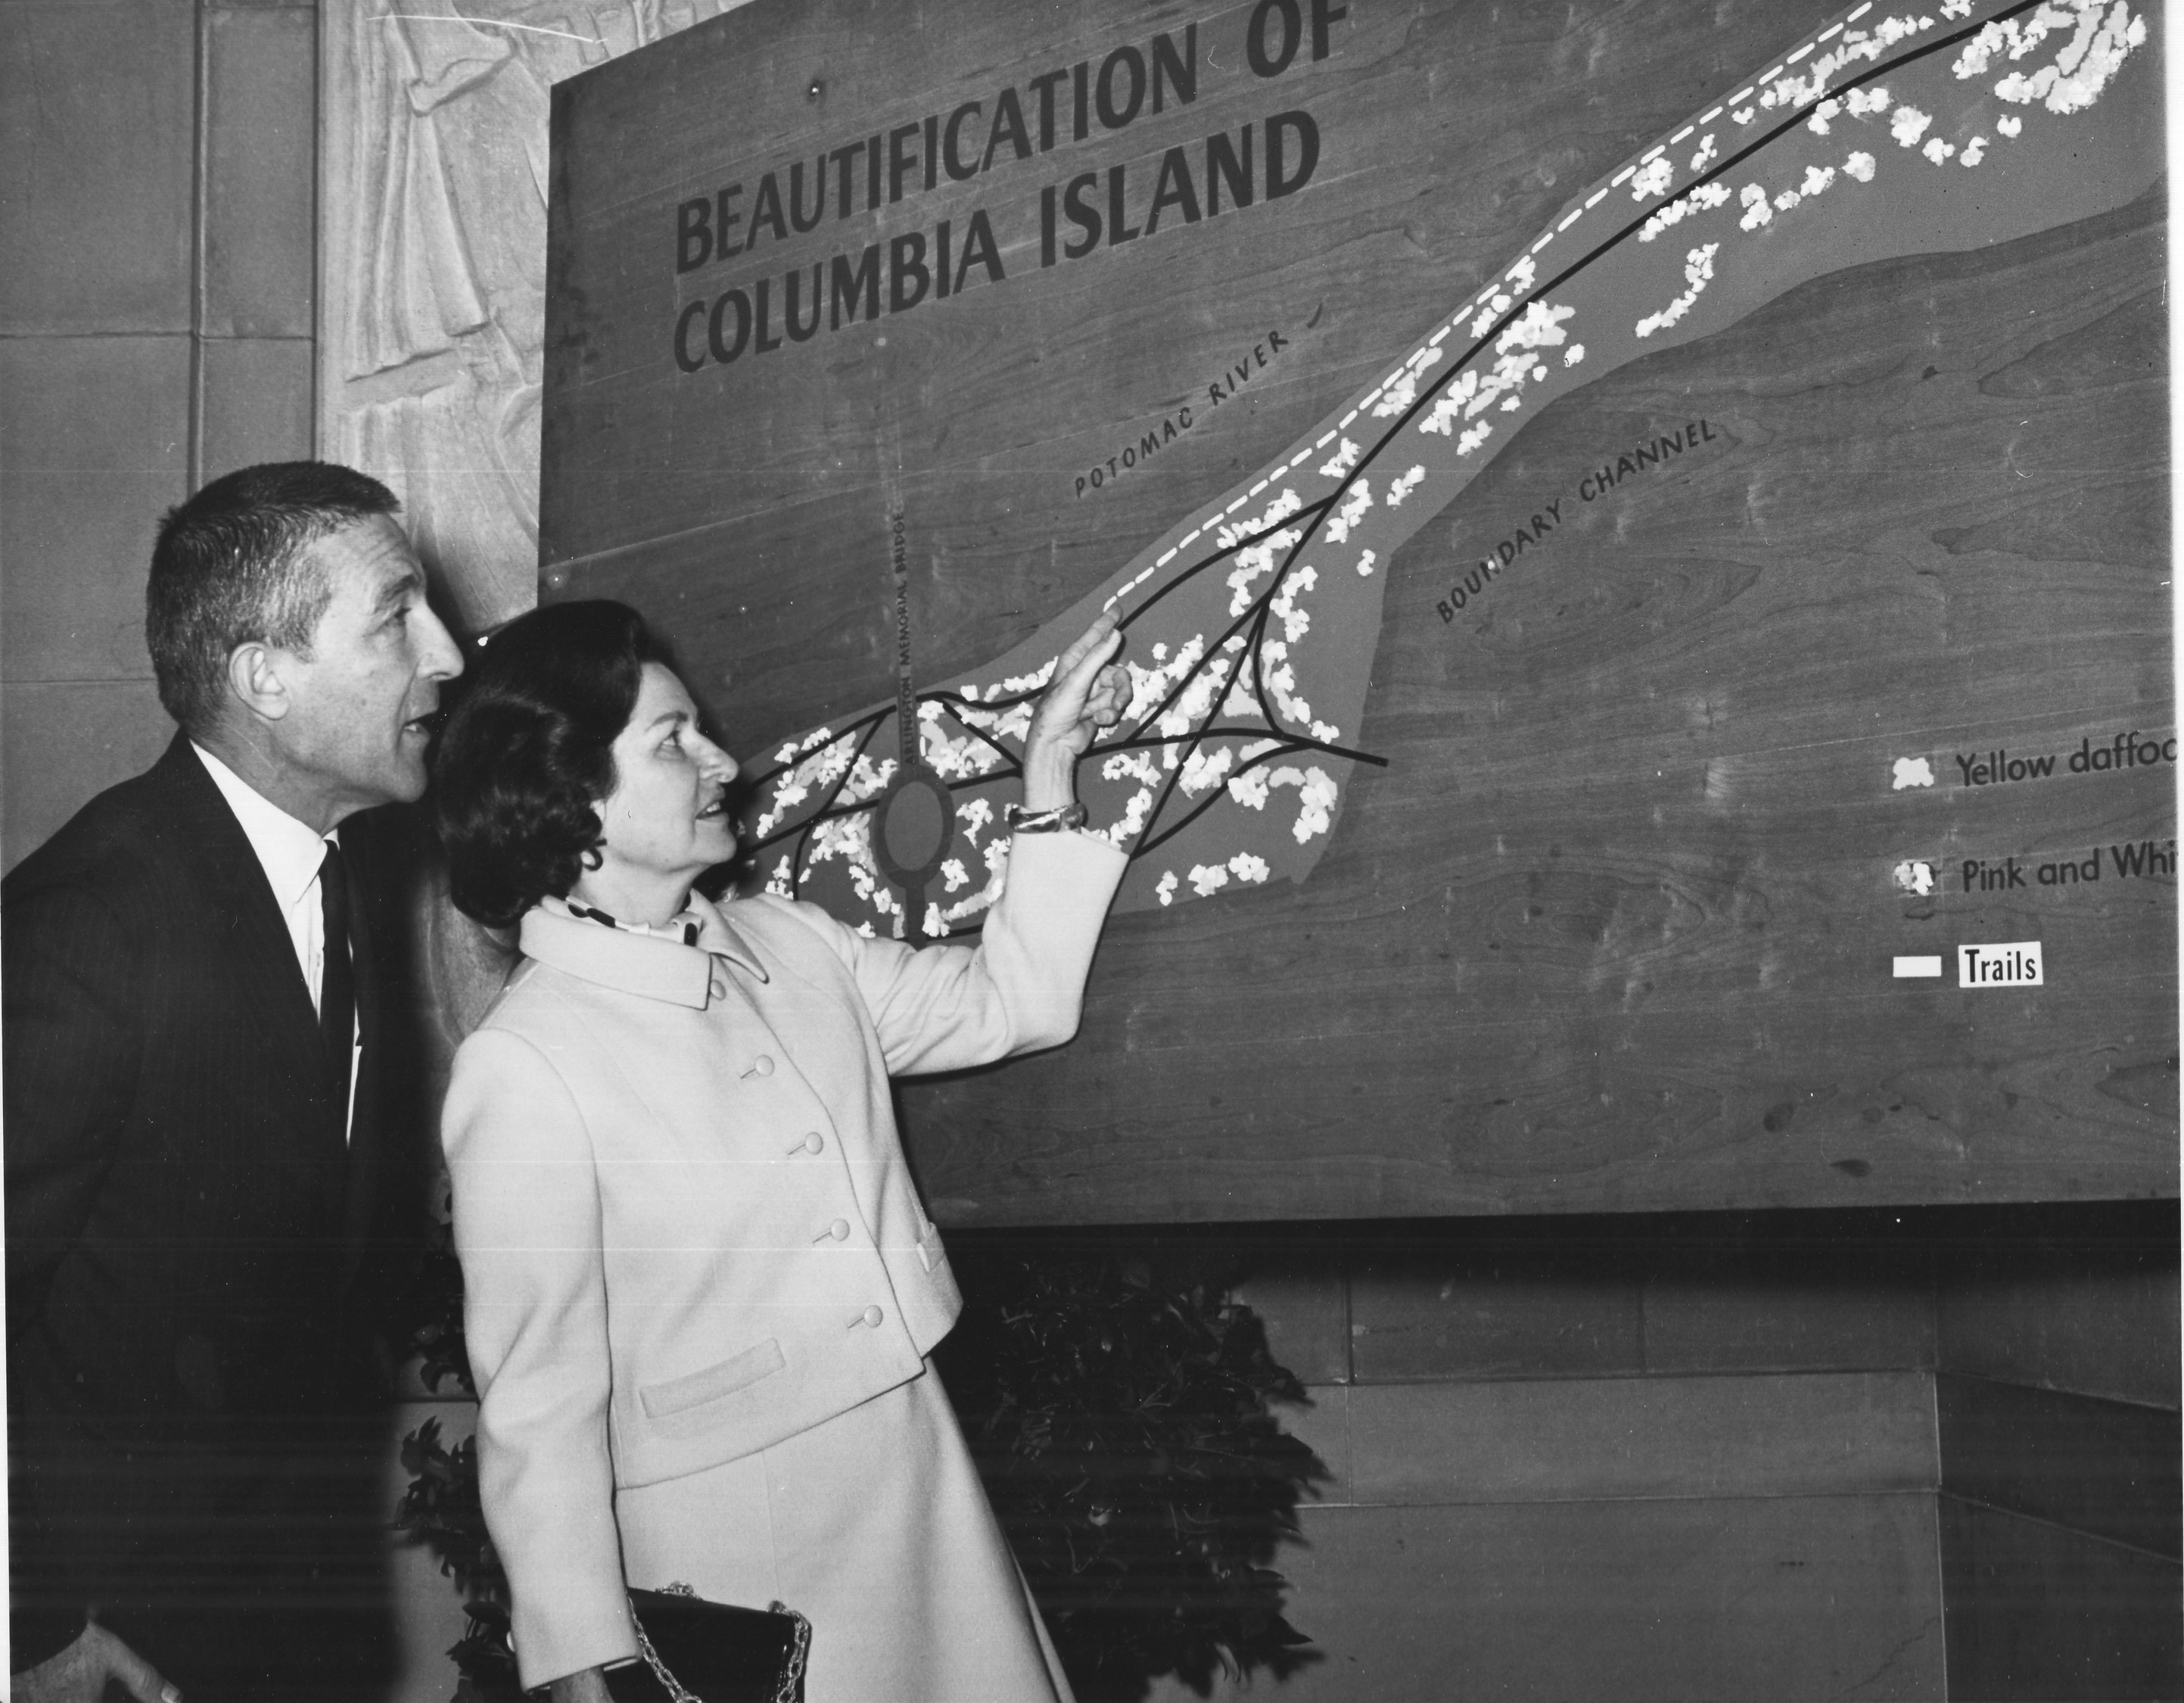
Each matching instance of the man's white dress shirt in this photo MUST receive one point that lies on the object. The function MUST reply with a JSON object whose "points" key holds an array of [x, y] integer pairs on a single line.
{"points": [[290, 853]]}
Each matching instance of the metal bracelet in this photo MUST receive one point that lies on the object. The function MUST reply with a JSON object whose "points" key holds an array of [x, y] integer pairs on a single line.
{"points": [[1062, 816]]}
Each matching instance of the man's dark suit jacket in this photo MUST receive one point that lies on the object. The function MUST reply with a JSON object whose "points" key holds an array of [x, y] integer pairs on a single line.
{"points": [[193, 1427]]}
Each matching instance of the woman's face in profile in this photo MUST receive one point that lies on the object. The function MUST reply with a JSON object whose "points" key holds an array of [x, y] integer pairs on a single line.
{"points": [[668, 815]]}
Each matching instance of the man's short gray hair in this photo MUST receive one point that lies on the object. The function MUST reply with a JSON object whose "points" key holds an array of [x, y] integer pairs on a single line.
{"points": [[232, 566]]}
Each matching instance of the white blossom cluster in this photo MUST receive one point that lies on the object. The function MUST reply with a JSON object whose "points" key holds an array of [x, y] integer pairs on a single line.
{"points": [[1203, 769], [1017, 684], [1698, 273], [2103, 39], [1132, 822], [1354, 505], [1341, 461], [995, 854], [1228, 537], [1516, 363], [1148, 686], [1284, 608], [1273, 672], [1402, 389], [1191, 707], [1703, 198], [824, 759], [1254, 562], [1210, 878], [846, 837], [1520, 279], [1250, 788], [1137, 764], [1316, 792], [1908, 125], [1012, 722], [1652, 178], [1857, 47], [964, 758], [1816, 181], [1236, 675], [849, 838], [2104, 33]]}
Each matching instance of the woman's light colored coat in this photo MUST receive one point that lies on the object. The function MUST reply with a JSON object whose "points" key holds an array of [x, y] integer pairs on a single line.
{"points": [[685, 1226]]}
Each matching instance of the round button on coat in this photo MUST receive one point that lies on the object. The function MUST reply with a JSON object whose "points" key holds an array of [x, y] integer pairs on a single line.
{"points": [[815, 1142], [839, 1230], [873, 1315], [762, 1066]]}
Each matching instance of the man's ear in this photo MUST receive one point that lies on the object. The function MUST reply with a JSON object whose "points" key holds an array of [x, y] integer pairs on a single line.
{"points": [[256, 677]]}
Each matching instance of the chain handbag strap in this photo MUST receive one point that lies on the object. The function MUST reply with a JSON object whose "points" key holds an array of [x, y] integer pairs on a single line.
{"points": [[668, 1683], [792, 1670], [799, 1651]]}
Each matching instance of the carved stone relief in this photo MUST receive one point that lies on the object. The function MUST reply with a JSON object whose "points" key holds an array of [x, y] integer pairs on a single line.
{"points": [[432, 225]]}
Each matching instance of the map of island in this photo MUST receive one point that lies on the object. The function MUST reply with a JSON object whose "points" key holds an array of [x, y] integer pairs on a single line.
{"points": [[1252, 623]]}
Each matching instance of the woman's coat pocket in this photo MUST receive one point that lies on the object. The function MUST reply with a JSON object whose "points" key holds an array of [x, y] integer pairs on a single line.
{"points": [[682, 1398]]}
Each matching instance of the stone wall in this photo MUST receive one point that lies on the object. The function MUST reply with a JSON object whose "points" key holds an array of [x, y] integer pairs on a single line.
{"points": [[156, 311]]}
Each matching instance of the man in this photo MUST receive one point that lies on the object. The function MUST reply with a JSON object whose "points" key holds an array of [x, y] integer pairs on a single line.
{"points": [[198, 1174]]}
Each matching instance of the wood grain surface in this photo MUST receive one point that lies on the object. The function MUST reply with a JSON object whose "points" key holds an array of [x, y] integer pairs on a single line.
{"points": [[1614, 929]]}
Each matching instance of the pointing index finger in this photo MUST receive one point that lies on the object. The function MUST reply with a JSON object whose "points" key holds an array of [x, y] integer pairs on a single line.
{"points": [[1094, 637]]}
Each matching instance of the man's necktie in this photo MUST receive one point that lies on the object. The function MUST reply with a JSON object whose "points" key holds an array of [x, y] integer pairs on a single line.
{"points": [[337, 984]]}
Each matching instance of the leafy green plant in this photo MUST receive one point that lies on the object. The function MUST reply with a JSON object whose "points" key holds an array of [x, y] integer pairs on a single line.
{"points": [[1119, 1405], [441, 1510]]}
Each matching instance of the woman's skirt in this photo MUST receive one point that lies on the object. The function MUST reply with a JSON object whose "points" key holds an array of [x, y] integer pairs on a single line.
{"points": [[875, 1526]]}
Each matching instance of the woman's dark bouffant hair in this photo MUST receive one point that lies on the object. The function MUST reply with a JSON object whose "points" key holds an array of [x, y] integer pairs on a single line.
{"points": [[527, 750]]}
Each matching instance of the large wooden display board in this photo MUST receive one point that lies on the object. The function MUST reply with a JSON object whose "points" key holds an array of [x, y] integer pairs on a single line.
{"points": [[1642, 533]]}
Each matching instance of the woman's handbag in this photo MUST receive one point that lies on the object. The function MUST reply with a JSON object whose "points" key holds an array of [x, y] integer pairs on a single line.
{"points": [[694, 1651]]}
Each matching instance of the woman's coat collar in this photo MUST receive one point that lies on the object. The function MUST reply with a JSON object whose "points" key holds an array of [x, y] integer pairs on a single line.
{"points": [[643, 964]]}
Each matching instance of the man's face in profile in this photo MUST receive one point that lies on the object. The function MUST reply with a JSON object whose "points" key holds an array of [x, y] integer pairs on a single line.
{"points": [[362, 695]]}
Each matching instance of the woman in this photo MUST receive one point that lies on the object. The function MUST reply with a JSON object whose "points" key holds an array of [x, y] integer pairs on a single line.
{"points": [[700, 1286]]}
